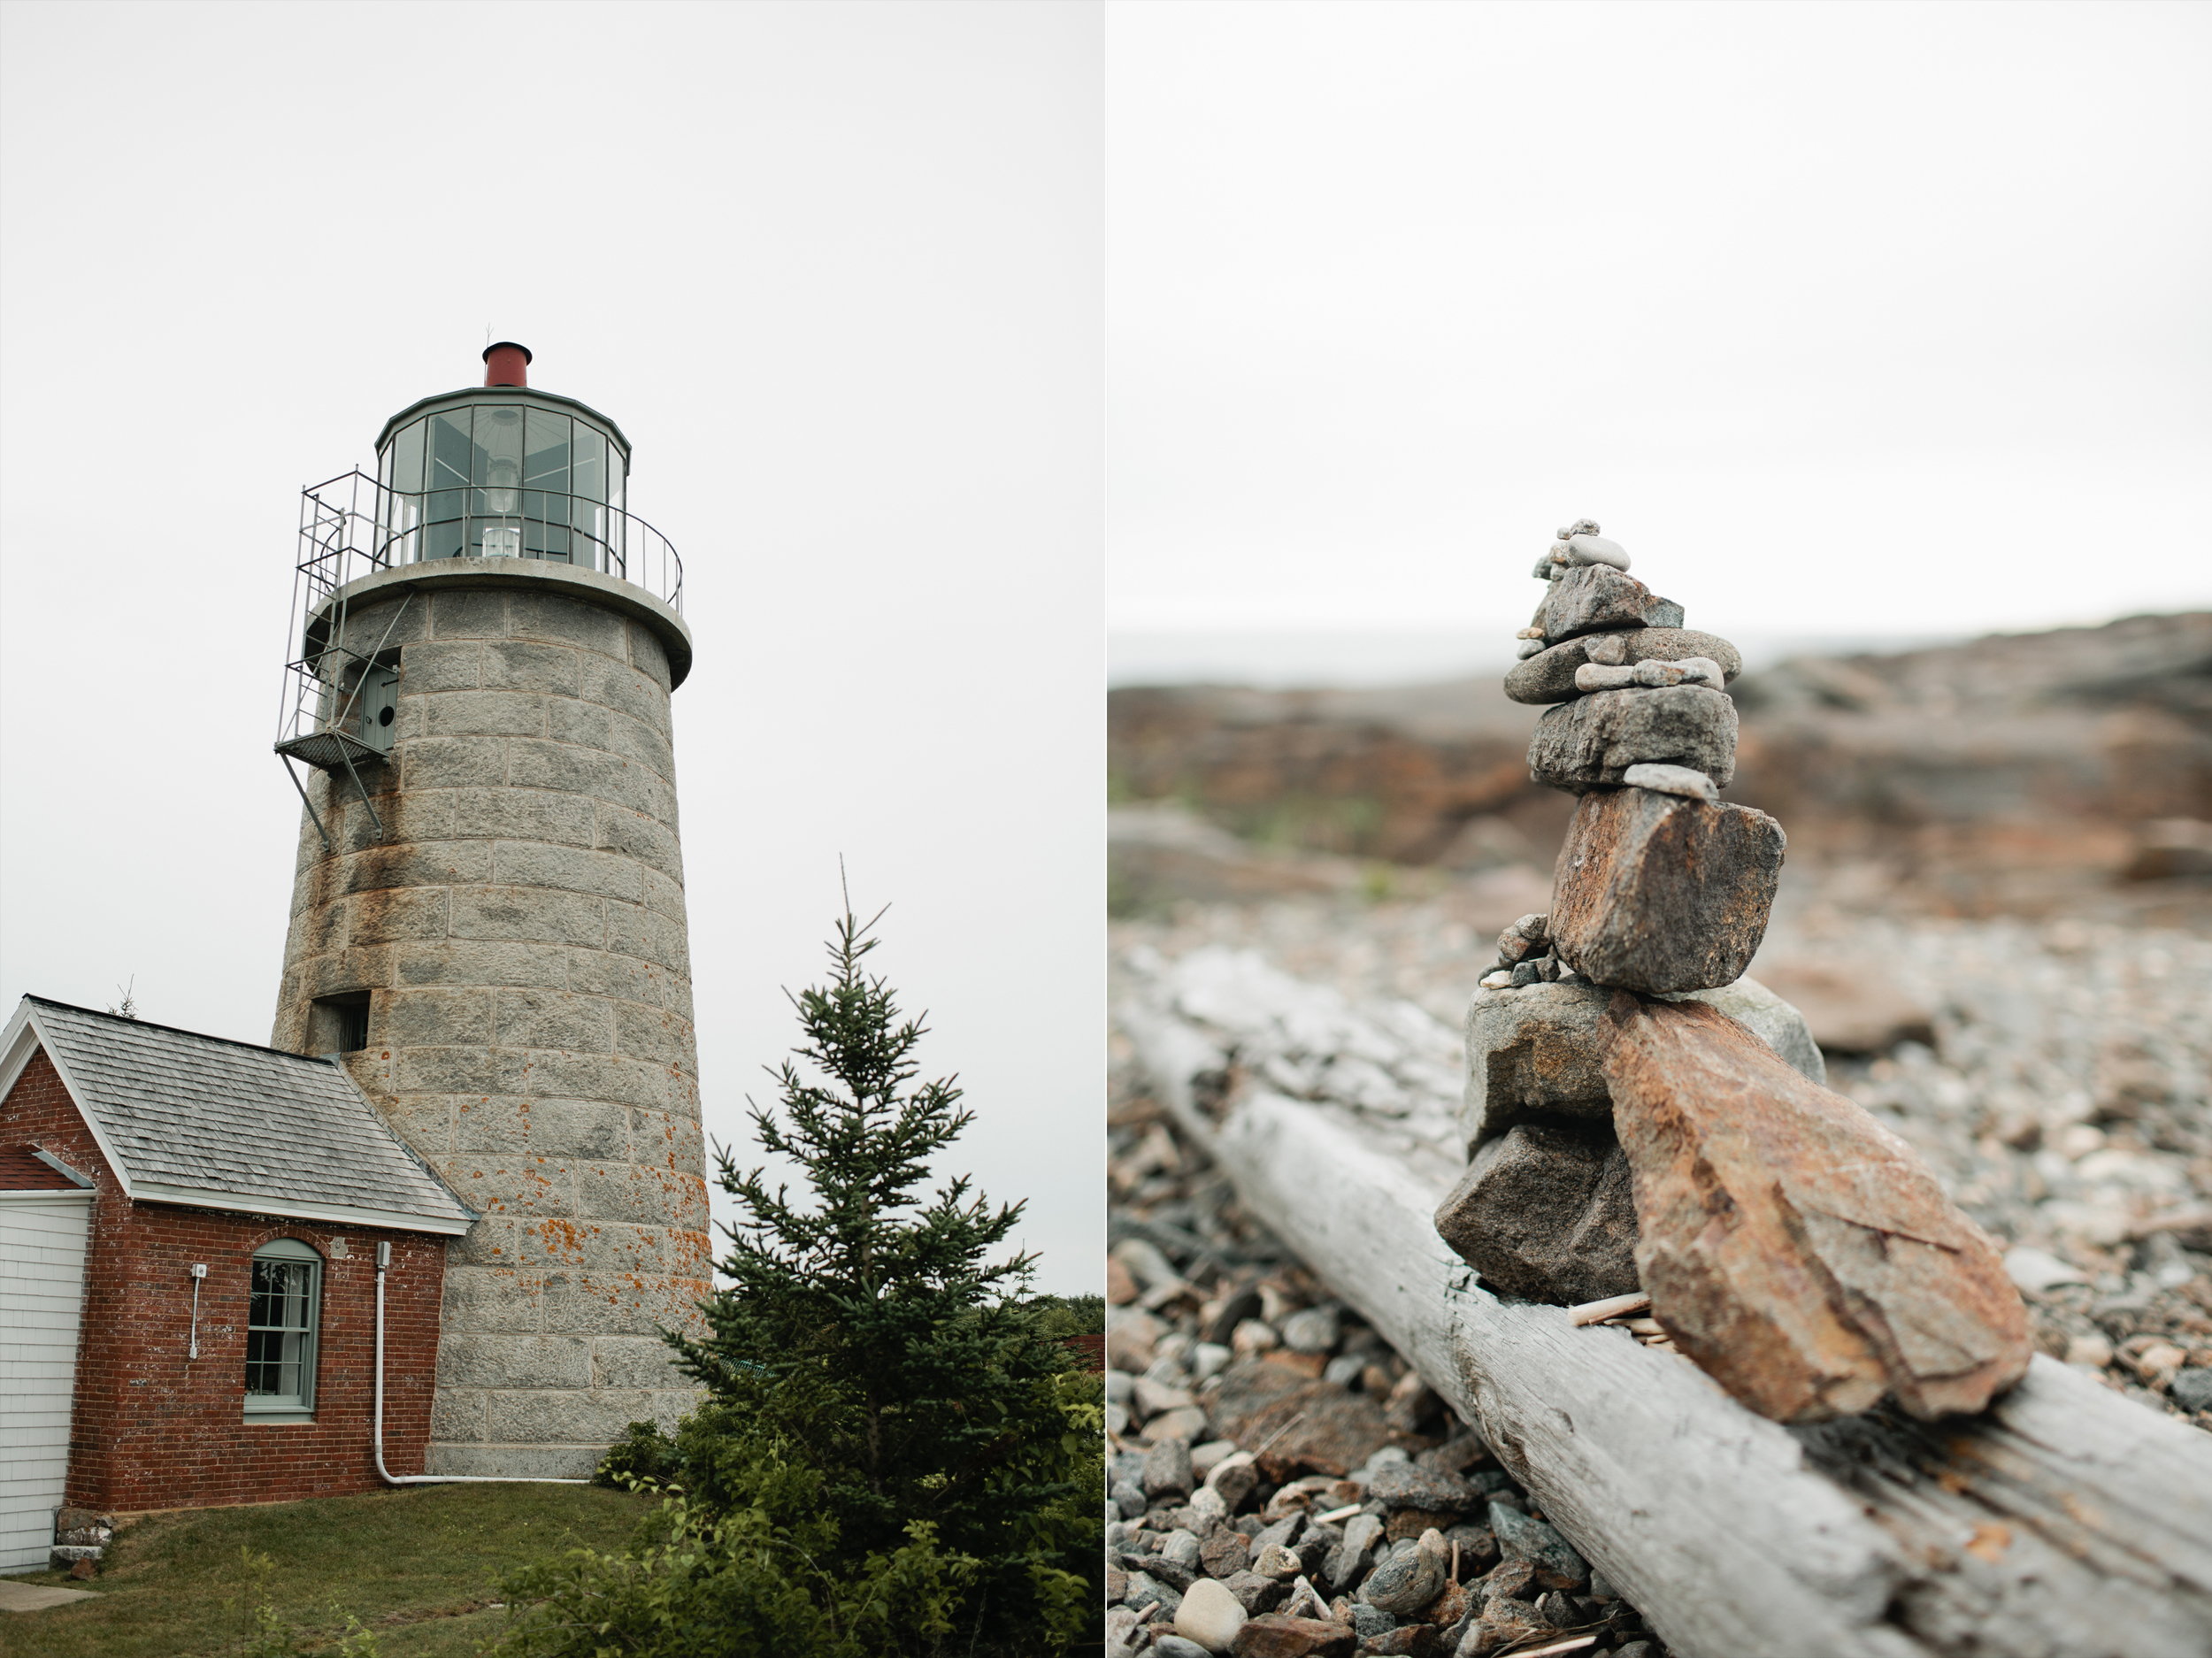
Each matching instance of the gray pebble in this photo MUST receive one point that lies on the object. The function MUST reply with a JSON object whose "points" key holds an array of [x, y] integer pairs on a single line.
{"points": [[1255, 1593], [1595, 549], [1176, 1575], [1522, 1538], [1175, 1646], [1311, 1330], [1527, 649], [1411, 1486], [1362, 1533], [1404, 1583], [1129, 1498], [1167, 1469], [2192, 1389], [1369, 1620], [1145, 1590], [1181, 1547], [1345, 1370]]}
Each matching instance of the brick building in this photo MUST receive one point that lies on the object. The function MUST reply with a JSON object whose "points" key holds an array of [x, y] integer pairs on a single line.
{"points": [[189, 1249]]}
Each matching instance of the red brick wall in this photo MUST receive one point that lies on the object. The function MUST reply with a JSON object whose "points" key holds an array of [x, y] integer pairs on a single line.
{"points": [[1090, 1349], [153, 1429]]}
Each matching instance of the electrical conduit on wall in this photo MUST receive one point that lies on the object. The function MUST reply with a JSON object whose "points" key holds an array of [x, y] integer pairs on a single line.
{"points": [[383, 1262]]}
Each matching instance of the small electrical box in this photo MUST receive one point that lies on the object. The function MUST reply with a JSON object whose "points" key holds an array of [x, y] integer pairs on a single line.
{"points": [[383, 1255], [199, 1269], [379, 700]]}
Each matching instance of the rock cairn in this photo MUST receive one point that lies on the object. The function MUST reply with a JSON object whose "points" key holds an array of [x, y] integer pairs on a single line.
{"points": [[1640, 1116]]}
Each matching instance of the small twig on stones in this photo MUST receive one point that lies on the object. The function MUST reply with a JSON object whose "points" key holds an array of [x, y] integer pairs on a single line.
{"points": [[1278, 1434], [1611, 1307], [1576, 1645], [1345, 1513], [1454, 1577]]}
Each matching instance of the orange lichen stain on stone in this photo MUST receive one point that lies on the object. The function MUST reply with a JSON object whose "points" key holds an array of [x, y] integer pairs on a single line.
{"points": [[1989, 1541], [1952, 1481]]}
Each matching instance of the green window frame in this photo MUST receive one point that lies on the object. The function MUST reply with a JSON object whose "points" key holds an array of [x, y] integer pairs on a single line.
{"points": [[283, 1319]]}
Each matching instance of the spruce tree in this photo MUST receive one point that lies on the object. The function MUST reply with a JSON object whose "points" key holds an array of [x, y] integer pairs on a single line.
{"points": [[868, 1322]]}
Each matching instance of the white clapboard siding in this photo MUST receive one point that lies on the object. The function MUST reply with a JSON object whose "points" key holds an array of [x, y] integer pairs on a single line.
{"points": [[41, 1291]]}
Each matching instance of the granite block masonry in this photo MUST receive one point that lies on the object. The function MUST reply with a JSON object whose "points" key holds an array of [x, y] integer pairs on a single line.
{"points": [[517, 936]]}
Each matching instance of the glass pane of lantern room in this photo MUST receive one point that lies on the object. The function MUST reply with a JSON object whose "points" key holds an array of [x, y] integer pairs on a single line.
{"points": [[406, 506], [590, 473], [450, 459], [498, 461], [618, 524], [545, 479]]}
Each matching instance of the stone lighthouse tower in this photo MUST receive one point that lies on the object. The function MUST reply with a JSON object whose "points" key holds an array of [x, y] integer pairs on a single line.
{"points": [[488, 918]]}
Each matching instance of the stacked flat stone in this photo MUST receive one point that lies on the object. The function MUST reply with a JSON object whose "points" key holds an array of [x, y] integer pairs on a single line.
{"points": [[1638, 1114]]}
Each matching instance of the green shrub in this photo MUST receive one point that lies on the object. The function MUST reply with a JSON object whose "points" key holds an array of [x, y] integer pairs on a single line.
{"points": [[896, 1453], [643, 1456]]}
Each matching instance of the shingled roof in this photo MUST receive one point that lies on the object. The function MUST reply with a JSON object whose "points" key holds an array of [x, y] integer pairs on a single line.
{"points": [[197, 1120]]}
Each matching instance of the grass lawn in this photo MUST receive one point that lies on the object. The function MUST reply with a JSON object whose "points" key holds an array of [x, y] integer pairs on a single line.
{"points": [[416, 1566]]}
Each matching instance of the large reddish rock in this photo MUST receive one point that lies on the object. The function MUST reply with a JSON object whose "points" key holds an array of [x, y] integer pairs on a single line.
{"points": [[1546, 1212], [1794, 1247], [1303, 1421], [1592, 742], [1662, 893]]}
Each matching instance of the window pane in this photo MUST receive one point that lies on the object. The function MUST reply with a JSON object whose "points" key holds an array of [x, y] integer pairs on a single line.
{"points": [[450, 460], [407, 458], [498, 457], [280, 1325], [545, 457], [450, 455], [407, 503], [591, 463]]}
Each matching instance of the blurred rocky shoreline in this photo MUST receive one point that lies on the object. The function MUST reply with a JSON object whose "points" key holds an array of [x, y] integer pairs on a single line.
{"points": [[1996, 914]]}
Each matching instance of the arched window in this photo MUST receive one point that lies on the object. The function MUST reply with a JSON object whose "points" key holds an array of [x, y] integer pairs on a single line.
{"points": [[281, 1321]]}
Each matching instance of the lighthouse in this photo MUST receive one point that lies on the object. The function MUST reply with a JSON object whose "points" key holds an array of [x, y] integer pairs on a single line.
{"points": [[487, 920]]}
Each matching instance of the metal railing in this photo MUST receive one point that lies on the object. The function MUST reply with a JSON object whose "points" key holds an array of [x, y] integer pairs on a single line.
{"points": [[351, 526]]}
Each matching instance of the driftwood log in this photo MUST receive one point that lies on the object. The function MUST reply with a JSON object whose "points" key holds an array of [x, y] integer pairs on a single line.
{"points": [[2064, 1522]]}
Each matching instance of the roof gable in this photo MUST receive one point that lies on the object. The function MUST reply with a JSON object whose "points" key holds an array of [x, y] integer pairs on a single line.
{"points": [[22, 1169], [202, 1121]]}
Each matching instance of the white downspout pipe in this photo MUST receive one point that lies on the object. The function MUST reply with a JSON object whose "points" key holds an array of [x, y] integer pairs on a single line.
{"points": [[383, 1261]]}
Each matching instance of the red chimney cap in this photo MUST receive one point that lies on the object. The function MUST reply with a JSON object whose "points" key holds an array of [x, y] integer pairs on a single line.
{"points": [[506, 364]]}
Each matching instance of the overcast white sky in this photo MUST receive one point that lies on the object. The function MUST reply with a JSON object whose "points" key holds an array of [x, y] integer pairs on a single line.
{"points": [[835, 269], [1844, 319], [1856, 318]]}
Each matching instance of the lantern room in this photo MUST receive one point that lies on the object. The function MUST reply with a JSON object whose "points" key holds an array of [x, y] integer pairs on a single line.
{"points": [[502, 471], [496, 487]]}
